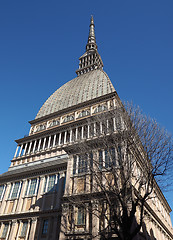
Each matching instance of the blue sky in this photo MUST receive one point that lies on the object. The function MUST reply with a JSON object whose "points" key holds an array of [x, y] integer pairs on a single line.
{"points": [[41, 41]]}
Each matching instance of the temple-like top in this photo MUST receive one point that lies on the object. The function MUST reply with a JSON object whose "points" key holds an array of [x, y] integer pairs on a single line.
{"points": [[91, 59]]}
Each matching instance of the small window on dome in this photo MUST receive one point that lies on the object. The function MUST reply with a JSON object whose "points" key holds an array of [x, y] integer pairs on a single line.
{"points": [[41, 127], [100, 108], [68, 118], [84, 113], [54, 123]]}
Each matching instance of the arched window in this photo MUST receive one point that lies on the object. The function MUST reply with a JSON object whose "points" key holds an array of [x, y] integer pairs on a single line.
{"points": [[54, 123], [68, 118], [100, 108], [41, 127], [84, 113]]}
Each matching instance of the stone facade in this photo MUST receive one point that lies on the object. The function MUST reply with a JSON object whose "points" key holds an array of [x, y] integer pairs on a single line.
{"points": [[48, 165]]}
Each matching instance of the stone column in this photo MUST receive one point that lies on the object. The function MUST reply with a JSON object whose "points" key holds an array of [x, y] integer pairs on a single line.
{"points": [[88, 131], [21, 197], [4, 200], [28, 227], [39, 144], [59, 140], [29, 150], [94, 129], [87, 215], [48, 146], [14, 205], [26, 144], [101, 128], [20, 150], [40, 190], [95, 219], [82, 133], [108, 104], [65, 137], [71, 132], [16, 151], [9, 227], [19, 228], [34, 146], [107, 125], [33, 228], [13, 231], [76, 134], [77, 163], [1, 228], [103, 155], [114, 124], [44, 143], [114, 103], [54, 140], [44, 196]]}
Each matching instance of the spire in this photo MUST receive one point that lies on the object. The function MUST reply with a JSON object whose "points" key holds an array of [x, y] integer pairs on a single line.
{"points": [[91, 59], [91, 38]]}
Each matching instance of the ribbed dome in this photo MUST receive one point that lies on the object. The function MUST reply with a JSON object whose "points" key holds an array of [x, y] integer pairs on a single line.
{"points": [[83, 88]]}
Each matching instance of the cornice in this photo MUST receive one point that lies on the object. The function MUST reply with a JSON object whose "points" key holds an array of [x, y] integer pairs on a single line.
{"points": [[30, 172], [23, 215]]}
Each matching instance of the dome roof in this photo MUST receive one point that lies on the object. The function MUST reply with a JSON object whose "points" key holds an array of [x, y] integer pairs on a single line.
{"points": [[83, 88]]}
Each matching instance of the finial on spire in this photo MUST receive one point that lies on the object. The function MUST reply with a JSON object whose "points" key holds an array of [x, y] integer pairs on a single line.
{"points": [[91, 59], [92, 20]]}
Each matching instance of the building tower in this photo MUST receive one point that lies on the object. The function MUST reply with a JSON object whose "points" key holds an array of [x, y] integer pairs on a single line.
{"points": [[52, 161]]}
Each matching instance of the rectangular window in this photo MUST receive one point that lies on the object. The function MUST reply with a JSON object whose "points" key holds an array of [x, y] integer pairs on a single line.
{"points": [[85, 161], [45, 227], [74, 164], [112, 154], [51, 183], [5, 230], [107, 159], [24, 229], [2, 188], [32, 188], [91, 160], [82, 165], [79, 164], [27, 188], [100, 159], [81, 216], [119, 154], [14, 190]]}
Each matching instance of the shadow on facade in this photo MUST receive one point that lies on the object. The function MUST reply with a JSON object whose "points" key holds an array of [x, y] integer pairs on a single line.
{"points": [[47, 213]]}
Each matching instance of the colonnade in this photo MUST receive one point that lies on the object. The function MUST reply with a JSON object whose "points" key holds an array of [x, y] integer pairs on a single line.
{"points": [[68, 136]]}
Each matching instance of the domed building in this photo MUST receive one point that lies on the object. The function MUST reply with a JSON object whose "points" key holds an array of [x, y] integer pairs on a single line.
{"points": [[47, 191]]}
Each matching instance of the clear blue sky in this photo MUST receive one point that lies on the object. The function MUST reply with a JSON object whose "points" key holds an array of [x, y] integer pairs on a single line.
{"points": [[41, 41]]}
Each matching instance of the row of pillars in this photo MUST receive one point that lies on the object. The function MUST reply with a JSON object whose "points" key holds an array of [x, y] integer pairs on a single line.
{"points": [[62, 138]]}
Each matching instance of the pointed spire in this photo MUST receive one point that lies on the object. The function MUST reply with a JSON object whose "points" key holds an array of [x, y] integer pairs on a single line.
{"points": [[91, 59], [91, 38]]}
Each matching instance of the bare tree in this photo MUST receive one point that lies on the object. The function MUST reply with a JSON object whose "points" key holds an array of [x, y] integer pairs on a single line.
{"points": [[127, 155]]}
